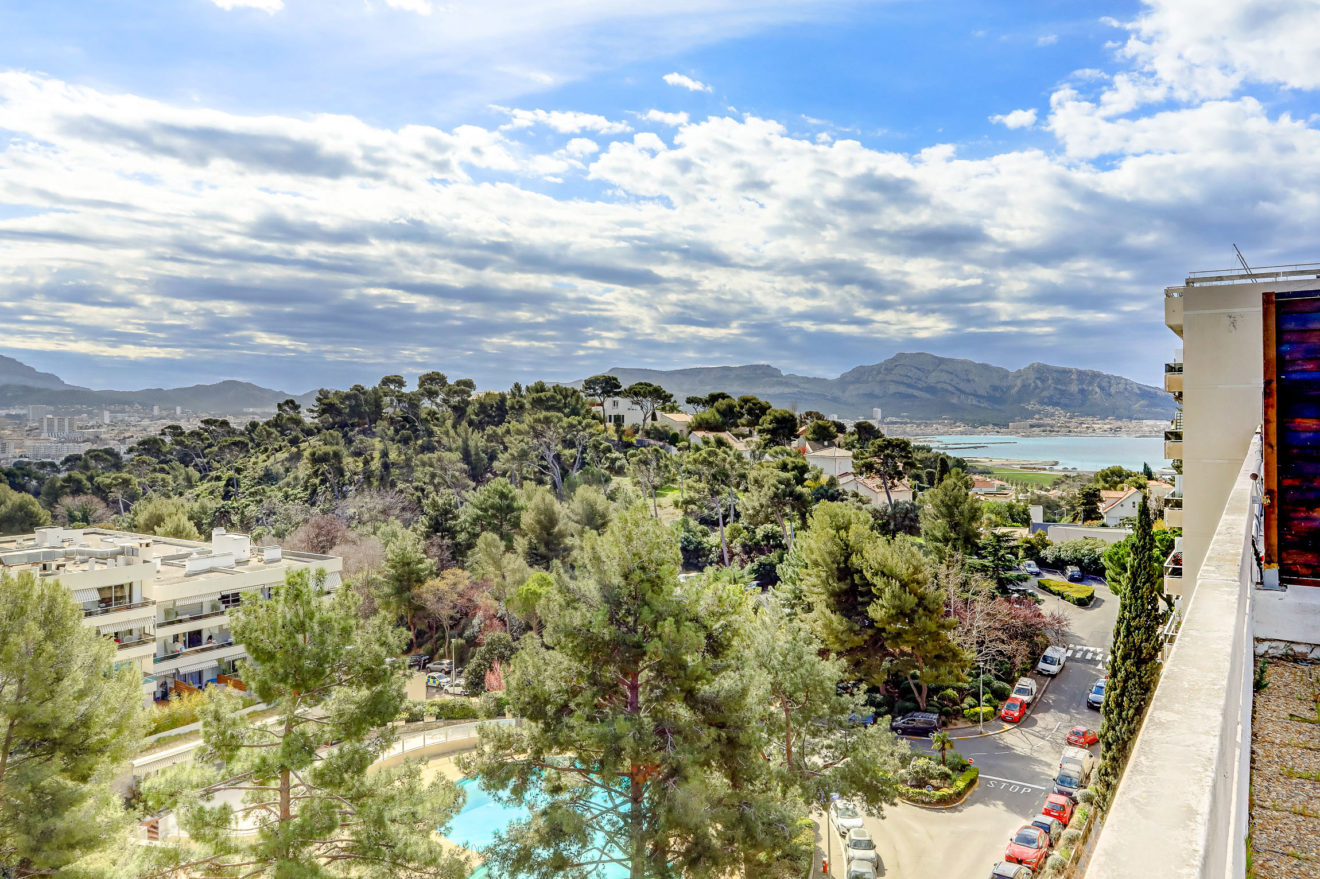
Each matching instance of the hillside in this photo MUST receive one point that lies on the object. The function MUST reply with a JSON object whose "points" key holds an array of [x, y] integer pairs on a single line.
{"points": [[925, 387]]}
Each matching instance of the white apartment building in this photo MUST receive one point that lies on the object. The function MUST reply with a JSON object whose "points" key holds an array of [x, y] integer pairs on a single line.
{"points": [[165, 601]]}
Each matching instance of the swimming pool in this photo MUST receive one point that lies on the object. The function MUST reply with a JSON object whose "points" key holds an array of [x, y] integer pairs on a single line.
{"points": [[475, 827]]}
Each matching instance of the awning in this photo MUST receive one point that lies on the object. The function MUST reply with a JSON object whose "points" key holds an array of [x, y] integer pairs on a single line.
{"points": [[198, 665], [111, 628], [82, 596]]}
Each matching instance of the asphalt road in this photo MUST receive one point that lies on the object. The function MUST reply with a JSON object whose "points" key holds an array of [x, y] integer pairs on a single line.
{"points": [[1017, 767]]}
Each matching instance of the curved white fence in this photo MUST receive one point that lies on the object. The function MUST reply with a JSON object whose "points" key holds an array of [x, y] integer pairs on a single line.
{"points": [[443, 735]]}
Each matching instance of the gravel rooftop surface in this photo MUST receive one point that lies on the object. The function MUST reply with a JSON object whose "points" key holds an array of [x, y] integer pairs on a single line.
{"points": [[1285, 773]]}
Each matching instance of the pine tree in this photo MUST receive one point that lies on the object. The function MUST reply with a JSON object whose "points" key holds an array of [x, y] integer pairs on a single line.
{"points": [[630, 711], [546, 534], [407, 568], [1134, 663], [951, 517], [301, 780], [67, 721]]}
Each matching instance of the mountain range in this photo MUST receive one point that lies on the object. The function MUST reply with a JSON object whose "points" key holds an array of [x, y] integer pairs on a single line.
{"points": [[925, 387], [20, 384], [914, 386]]}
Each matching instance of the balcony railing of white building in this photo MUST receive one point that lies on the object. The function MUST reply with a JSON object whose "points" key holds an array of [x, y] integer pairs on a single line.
{"points": [[1180, 811]]}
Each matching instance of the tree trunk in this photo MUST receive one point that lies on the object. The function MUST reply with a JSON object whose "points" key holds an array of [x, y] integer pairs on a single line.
{"points": [[655, 505], [884, 480], [783, 527], [724, 546]]}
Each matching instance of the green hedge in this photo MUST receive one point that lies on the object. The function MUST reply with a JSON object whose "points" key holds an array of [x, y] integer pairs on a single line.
{"points": [[448, 709], [985, 712], [1079, 594], [942, 796]]}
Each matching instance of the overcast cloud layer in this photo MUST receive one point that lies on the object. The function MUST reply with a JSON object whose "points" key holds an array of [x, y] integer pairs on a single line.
{"points": [[148, 240]]}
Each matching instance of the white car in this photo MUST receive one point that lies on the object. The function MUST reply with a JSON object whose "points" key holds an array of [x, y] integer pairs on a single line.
{"points": [[861, 870], [860, 846], [845, 816], [1025, 689], [1052, 662], [456, 689]]}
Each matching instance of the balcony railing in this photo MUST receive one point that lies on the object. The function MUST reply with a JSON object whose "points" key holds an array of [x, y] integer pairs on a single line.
{"points": [[191, 650], [101, 611], [146, 637], [1180, 809], [1170, 368], [197, 616]]}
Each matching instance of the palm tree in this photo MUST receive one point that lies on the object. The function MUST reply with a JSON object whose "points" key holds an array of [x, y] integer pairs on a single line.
{"points": [[942, 743]]}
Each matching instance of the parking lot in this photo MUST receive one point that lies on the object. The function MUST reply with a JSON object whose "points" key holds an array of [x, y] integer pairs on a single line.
{"points": [[1017, 766]]}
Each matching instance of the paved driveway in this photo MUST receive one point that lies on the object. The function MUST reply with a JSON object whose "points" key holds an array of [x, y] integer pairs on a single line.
{"points": [[1017, 767]]}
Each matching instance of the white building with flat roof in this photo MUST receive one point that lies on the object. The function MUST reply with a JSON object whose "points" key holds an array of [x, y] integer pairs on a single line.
{"points": [[165, 601]]}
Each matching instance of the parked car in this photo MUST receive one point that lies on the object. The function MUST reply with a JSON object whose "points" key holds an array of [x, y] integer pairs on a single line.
{"points": [[436, 679], [1082, 737], [1009, 870], [861, 870], [439, 665], [1031, 568], [1014, 710], [456, 689], [1025, 689], [845, 816], [417, 660], [1051, 825], [1058, 806], [860, 846], [1074, 771], [1029, 846], [918, 723], [1096, 697], [1074, 574], [1052, 662]]}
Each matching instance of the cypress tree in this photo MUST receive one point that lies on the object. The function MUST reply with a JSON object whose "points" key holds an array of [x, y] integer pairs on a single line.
{"points": [[1134, 662]]}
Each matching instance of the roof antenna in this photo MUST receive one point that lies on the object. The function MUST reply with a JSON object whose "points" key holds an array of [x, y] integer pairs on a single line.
{"points": [[1242, 259]]}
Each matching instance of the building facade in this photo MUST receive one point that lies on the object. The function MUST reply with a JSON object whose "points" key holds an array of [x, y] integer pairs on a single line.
{"points": [[164, 601]]}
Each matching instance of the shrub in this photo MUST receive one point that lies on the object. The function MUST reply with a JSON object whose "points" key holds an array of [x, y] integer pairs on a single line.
{"points": [[904, 706], [943, 795], [1080, 816], [999, 688], [948, 697], [1079, 594], [180, 710], [985, 712], [969, 703], [1057, 863], [925, 771], [956, 762], [414, 711], [453, 709], [1070, 838], [1086, 553], [1086, 796]]}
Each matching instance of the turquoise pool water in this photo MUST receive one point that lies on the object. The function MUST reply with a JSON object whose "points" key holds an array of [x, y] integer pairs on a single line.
{"points": [[482, 817]]}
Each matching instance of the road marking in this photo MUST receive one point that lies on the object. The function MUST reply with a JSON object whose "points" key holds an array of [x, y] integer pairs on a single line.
{"points": [[1010, 781]]}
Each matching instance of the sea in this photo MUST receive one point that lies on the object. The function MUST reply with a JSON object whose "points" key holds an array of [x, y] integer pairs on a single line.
{"points": [[1071, 452]]}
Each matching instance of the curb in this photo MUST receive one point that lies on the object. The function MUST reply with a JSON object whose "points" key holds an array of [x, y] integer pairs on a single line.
{"points": [[941, 807]]}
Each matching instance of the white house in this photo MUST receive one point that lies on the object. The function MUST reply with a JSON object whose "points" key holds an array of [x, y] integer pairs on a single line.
{"points": [[833, 461], [621, 412], [873, 489], [1115, 506], [679, 421]]}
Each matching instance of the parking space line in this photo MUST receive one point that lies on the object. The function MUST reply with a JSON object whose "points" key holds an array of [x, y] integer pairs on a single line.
{"points": [[1011, 781]]}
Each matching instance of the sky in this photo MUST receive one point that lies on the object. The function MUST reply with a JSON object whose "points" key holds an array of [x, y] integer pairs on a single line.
{"points": [[312, 193]]}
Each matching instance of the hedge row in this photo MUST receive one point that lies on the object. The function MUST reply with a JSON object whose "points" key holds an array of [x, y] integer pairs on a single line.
{"points": [[975, 715], [449, 709], [943, 796], [1079, 594]]}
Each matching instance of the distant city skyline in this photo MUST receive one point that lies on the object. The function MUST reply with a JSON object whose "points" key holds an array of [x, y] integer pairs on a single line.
{"points": [[304, 194]]}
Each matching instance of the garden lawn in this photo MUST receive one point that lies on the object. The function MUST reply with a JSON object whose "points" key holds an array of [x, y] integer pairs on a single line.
{"points": [[1033, 478], [1079, 594]]}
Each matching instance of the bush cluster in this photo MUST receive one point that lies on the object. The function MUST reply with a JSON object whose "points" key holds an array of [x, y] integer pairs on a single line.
{"points": [[944, 795], [985, 712], [490, 705], [1079, 594]]}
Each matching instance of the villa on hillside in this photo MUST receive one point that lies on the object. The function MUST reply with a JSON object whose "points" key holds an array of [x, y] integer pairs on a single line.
{"points": [[873, 489]]}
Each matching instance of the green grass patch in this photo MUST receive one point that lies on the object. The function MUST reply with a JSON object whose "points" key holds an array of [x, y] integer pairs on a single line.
{"points": [[1034, 478], [1079, 594]]}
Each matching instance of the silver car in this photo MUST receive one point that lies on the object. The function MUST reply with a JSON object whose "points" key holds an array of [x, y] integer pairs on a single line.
{"points": [[861, 870], [860, 846], [1010, 870], [844, 816]]}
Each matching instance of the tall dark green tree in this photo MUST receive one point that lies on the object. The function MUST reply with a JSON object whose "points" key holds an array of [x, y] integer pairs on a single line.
{"points": [[1134, 661], [1088, 503], [886, 457], [600, 388], [68, 720], [951, 517], [307, 806], [627, 710]]}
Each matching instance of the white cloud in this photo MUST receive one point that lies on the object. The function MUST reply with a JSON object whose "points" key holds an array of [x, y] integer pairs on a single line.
{"points": [[268, 6], [563, 121], [686, 82], [1047, 40], [1016, 119], [581, 146], [421, 7], [674, 119]]}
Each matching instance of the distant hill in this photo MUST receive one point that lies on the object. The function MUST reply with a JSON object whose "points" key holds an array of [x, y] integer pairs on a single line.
{"points": [[925, 387], [20, 385]]}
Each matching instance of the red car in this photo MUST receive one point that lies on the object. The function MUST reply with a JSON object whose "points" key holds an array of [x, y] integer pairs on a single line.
{"points": [[1059, 806], [1029, 846], [1082, 737], [1014, 710]]}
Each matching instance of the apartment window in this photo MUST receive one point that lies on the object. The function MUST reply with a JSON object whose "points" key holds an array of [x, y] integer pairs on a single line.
{"points": [[230, 600], [112, 596]]}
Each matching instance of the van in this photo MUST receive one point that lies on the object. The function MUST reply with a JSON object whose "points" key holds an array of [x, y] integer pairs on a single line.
{"points": [[1074, 772], [1052, 662]]}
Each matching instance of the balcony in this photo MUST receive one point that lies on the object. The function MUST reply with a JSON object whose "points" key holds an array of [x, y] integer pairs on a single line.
{"points": [[125, 616], [139, 648], [1180, 810], [1173, 508], [197, 657], [1173, 378], [184, 624], [1173, 573], [1173, 449], [1173, 309]]}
